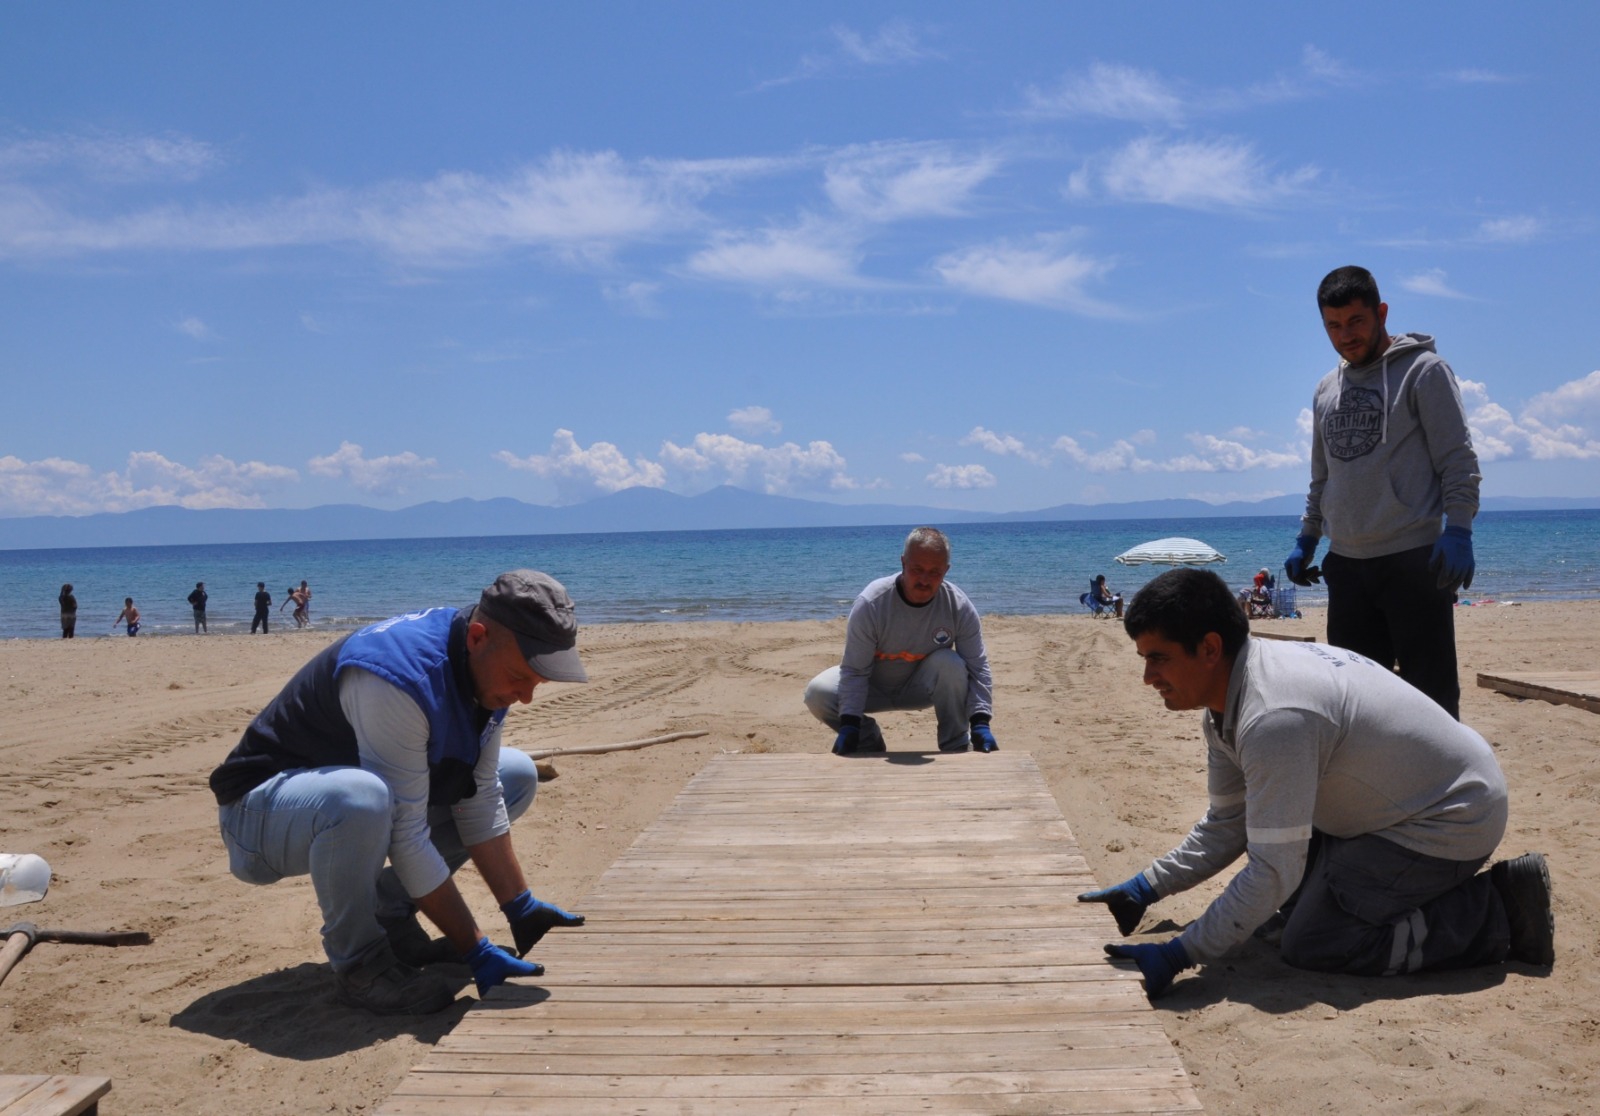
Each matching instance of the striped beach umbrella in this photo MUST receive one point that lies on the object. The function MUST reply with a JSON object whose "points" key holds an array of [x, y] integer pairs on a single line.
{"points": [[1171, 552]]}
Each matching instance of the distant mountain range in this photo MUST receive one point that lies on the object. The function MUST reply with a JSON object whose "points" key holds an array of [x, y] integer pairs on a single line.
{"points": [[632, 509]]}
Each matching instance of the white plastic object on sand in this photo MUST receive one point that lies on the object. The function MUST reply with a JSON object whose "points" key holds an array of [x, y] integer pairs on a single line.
{"points": [[24, 878]]}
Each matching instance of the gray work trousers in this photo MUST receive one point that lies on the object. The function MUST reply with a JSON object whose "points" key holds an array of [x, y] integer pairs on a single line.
{"points": [[940, 681]]}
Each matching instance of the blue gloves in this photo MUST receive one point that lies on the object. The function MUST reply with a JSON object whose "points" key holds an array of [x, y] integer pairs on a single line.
{"points": [[1158, 961], [1452, 559], [1127, 901], [491, 965], [1298, 565], [983, 737], [848, 742], [530, 919]]}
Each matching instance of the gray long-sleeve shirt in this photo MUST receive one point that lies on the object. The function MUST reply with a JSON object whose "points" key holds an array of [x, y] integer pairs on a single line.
{"points": [[888, 638], [1320, 737], [1390, 453]]}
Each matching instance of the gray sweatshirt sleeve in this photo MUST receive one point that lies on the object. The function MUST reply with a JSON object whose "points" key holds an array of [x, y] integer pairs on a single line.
{"points": [[1279, 770], [860, 647], [483, 816], [1311, 521], [969, 645], [1437, 397]]}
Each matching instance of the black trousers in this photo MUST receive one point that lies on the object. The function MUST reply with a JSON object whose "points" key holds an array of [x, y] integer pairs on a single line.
{"points": [[260, 618], [1369, 907], [1391, 610]]}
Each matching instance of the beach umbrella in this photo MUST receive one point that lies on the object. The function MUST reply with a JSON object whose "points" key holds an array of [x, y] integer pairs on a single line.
{"points": [[1171, 552]]}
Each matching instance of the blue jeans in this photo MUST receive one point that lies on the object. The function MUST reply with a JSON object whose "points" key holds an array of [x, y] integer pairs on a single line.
{"points": [[940, 681], [333, 824]]}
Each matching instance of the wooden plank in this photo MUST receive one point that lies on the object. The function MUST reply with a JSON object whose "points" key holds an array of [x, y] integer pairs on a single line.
{"points": [[1257, 634], [1560, 687], [803, 934], [52, 1095]]}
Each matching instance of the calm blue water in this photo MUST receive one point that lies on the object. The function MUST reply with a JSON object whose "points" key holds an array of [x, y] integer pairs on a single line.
{"points": [[807, 573]]}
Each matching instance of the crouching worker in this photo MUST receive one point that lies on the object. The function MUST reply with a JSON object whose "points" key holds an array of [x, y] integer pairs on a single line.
{"points": [[1365, 810], [385, 747]]}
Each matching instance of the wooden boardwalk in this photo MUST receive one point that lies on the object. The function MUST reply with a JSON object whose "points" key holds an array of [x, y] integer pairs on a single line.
{"points": [[1562, 687], [811, 935]]}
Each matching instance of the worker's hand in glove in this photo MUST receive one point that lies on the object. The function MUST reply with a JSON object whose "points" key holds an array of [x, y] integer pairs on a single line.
{"points": [[530, 919], [1452, 559], [1127, 900], [848, 742], [491, 965], [1298, 565], [1158, 961], [983, 737]]}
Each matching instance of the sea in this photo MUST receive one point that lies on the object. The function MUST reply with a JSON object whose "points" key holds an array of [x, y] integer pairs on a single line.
{"points": [[746, 575]]}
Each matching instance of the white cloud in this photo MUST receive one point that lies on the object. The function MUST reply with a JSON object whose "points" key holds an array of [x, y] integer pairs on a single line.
{"points": [[811, 253], [1553, 426], [1003, 445], [754, 420], [1191, 174], [896, 43], [1433, 283], [193, 327], [912, 458], [1111, 91], [116, 158], [387, 474], [310, 324], [581, 473], [635, 298], [1479, 77], [572, 202], [1043, 273], [894, 182], [1213, 455], [57, 486], [773, 469], [1511, 230], [961, 476]]}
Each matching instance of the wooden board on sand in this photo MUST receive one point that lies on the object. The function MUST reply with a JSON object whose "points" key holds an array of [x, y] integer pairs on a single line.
{"points": [[810, 934], [44, 1094], [1563, 687]]}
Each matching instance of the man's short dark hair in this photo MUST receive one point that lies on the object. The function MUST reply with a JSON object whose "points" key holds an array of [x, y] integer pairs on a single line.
{"points": [[1183, 605], [1344, 285]]}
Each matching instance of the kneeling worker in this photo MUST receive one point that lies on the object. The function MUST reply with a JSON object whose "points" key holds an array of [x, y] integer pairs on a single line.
{"points": [[1364, 808], [913, 640], [386, 747]]}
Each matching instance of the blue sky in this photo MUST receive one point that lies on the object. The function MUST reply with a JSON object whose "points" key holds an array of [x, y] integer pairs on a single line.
{"points": [[983, 256]]}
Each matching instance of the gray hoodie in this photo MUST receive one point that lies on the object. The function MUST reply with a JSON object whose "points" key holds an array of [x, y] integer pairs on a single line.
{"points": [[1390, 453]]}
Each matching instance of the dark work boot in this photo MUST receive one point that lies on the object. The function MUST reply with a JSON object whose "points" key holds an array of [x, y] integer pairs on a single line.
{"points": [[384, 985], [1524, 887], [412, 944]]}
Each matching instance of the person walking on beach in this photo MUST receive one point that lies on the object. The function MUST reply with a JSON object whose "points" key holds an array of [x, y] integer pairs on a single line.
{"points": [[129, 616], [305, 602], [69, 611], [1364, 810], [386, 746], [197, 601], [263, 609], [913, 640], [1391, 454]]}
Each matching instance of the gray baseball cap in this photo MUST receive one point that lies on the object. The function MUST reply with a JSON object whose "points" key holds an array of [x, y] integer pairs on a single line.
{"points": [[536, 609]]}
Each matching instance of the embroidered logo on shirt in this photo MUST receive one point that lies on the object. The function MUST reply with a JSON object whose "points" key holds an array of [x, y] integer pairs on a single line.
{"points": [[1353, 428], [942, 637]]}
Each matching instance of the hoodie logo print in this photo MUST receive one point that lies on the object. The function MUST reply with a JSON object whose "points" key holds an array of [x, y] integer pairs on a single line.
{"points": [[1353, 428]]}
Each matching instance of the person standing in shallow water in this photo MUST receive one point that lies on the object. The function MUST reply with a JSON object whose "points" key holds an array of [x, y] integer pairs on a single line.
{"points": [[69, 611], [263, 609], [197, 601], [129, 616]]}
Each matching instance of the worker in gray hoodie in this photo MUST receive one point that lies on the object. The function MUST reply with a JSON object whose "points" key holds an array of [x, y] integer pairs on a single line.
{"points": [[1391, 457]]}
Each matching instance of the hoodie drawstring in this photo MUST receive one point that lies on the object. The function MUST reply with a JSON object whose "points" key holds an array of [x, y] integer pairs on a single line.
{"points": [[1383, 421]]}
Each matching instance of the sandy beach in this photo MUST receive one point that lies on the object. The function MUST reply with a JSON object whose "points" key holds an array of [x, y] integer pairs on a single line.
{"points": [[107, 742]]}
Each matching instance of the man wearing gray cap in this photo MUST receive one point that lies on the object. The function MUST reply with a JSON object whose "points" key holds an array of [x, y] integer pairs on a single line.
{"points": [[385, 747]]}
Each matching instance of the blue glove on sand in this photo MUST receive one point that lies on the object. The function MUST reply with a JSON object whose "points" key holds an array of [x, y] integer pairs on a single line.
{"points": [[530, 919], [1299, 560], [982, 737], [1158, 961], [848, 742], [1452, 559], [1127, 901], [491, 965]]}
